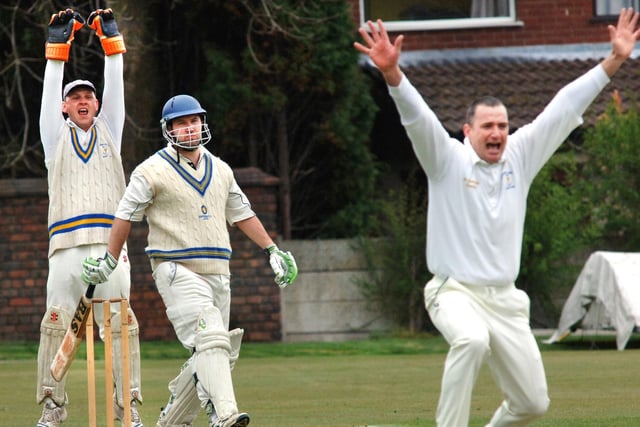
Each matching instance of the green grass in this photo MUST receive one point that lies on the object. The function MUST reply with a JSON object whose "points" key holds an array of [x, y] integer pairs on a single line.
{"points": [[391, 381]]}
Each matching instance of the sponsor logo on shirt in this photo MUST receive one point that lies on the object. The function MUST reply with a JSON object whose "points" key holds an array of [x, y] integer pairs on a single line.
{"points": [[471, 183], [507, 180], [204, 213]]}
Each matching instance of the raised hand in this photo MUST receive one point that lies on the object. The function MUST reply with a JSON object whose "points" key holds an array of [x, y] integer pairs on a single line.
{"points": [[623, 38], [61, 31], [382, 52], [103, 22], [624, 35]]}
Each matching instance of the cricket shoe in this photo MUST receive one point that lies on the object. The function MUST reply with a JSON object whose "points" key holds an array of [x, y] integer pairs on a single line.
{"points": [[52, 415], [135, 417], [236, 420]]}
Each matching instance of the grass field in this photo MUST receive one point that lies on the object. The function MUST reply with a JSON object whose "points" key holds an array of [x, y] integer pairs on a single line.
{"points": [[377, 382]]}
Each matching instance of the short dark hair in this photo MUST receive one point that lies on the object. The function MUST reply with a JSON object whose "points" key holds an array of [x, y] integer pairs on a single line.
{"points": [[489, 101]]}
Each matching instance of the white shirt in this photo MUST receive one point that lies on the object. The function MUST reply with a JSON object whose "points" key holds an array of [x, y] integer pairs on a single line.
{"points": [[112, 109], [477, 210]]}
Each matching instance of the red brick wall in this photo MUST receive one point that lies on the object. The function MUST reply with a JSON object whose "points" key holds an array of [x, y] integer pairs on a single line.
{"points": [[545, 22], [24, 266]]}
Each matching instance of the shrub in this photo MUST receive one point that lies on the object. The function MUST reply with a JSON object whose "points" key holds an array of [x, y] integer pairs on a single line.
{"points": [[612, 177], [394, 253]]}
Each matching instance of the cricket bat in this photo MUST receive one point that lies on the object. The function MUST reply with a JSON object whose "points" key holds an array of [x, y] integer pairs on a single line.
{"points": [[73, 337]]}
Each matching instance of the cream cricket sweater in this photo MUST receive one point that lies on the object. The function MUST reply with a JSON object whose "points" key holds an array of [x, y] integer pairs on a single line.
{"points": [[187, 220], [85, 186]]}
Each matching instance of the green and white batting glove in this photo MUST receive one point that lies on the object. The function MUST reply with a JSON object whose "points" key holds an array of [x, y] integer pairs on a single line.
{"points": [[98, 270], [283, 265]]}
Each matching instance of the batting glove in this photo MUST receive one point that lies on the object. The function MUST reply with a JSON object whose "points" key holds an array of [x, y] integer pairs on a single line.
{"points": [[283, 265], [104, 24], [95, 271], [62, 28]]}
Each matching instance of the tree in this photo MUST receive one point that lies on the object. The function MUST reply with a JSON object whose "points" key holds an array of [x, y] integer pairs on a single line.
{"points": [[612, 176], [394, 254], [294, 102], [23, 37], [279, 79]]}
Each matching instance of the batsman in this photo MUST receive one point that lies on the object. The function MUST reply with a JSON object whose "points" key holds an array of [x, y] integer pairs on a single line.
{"points": [[86, 180], [189, 198]]}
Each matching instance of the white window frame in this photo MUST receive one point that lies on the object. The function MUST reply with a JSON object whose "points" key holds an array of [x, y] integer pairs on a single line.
{"points": [[609, 8], [449, 24]]}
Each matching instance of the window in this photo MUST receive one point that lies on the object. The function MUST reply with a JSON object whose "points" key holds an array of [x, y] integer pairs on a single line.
{"points": [[400, 15], [609, 8]]}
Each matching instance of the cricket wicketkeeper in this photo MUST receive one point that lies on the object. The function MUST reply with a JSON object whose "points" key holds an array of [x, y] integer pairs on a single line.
{"points": [[86, 181]]}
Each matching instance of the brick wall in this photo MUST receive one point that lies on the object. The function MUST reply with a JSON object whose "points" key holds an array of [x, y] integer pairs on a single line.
{"points": [[24, 266], [544, 22]]}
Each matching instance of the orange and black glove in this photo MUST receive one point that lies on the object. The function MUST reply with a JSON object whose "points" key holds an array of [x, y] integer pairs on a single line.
{"points": [[104, 24], [62, 27]]}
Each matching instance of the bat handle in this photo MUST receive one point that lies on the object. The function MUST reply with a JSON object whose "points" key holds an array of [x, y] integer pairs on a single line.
{"points": [[90, 289]]}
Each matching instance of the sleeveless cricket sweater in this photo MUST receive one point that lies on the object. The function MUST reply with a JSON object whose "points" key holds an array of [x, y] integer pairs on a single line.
{"points": [[85, 186], [187, 222]]}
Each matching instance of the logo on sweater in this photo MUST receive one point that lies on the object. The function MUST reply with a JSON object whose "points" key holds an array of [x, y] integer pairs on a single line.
{"points": [[204, 213], [104, 150]]}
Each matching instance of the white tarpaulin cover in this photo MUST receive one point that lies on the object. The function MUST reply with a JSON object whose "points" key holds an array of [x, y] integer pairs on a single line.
{"points": [[606, 294]]}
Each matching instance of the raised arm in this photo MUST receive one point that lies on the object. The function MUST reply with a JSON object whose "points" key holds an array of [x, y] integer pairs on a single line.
{"points": [[383, 54], [623, 38], [61, 32], [103, 22]]}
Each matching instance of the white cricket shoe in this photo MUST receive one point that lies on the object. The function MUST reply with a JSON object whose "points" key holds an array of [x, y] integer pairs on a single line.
{"points": [[236, 420], [52, 414], [135, 417], [160, 424]]}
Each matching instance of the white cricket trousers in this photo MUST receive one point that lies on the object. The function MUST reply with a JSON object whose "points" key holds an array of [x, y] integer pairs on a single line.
{"points": [[65, 285], [487, 323], [187, 294]]}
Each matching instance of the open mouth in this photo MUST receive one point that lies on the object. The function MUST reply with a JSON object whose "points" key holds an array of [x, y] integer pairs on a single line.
{"points": [[83, 111]]}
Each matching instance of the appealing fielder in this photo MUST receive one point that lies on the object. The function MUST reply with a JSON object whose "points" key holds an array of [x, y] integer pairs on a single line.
{"points": [[86, 182], [477, 202], [189, 197]]}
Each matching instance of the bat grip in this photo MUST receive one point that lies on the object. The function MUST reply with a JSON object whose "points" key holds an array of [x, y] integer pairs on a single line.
{"points": [[90, 289]]}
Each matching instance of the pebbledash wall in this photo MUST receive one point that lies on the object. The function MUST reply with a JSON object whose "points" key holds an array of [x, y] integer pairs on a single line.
{"points": [[23, 266]]}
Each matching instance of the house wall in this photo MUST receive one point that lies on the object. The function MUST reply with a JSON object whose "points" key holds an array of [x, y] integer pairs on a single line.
{"points": [[543, 22]]}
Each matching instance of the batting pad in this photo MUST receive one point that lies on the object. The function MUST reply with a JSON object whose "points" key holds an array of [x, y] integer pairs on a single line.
{"points": [[235, 339], [134, 357], [212, 363], [184, 405], [53, 327]]}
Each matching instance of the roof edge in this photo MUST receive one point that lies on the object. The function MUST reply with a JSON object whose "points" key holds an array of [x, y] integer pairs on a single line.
{"points": [[581, 51]]}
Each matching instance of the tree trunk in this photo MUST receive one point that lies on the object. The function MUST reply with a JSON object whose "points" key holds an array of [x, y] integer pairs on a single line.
{"points": [[253, 145], [284, 174]]}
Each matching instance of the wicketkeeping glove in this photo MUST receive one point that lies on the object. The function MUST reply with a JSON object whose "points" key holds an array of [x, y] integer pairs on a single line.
{"points": [[62, 28], [96, 271], [283, 265], [104, 24]]}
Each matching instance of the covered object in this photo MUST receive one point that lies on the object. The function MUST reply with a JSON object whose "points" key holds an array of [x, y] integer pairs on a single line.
{"points": [[605, 295]]}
